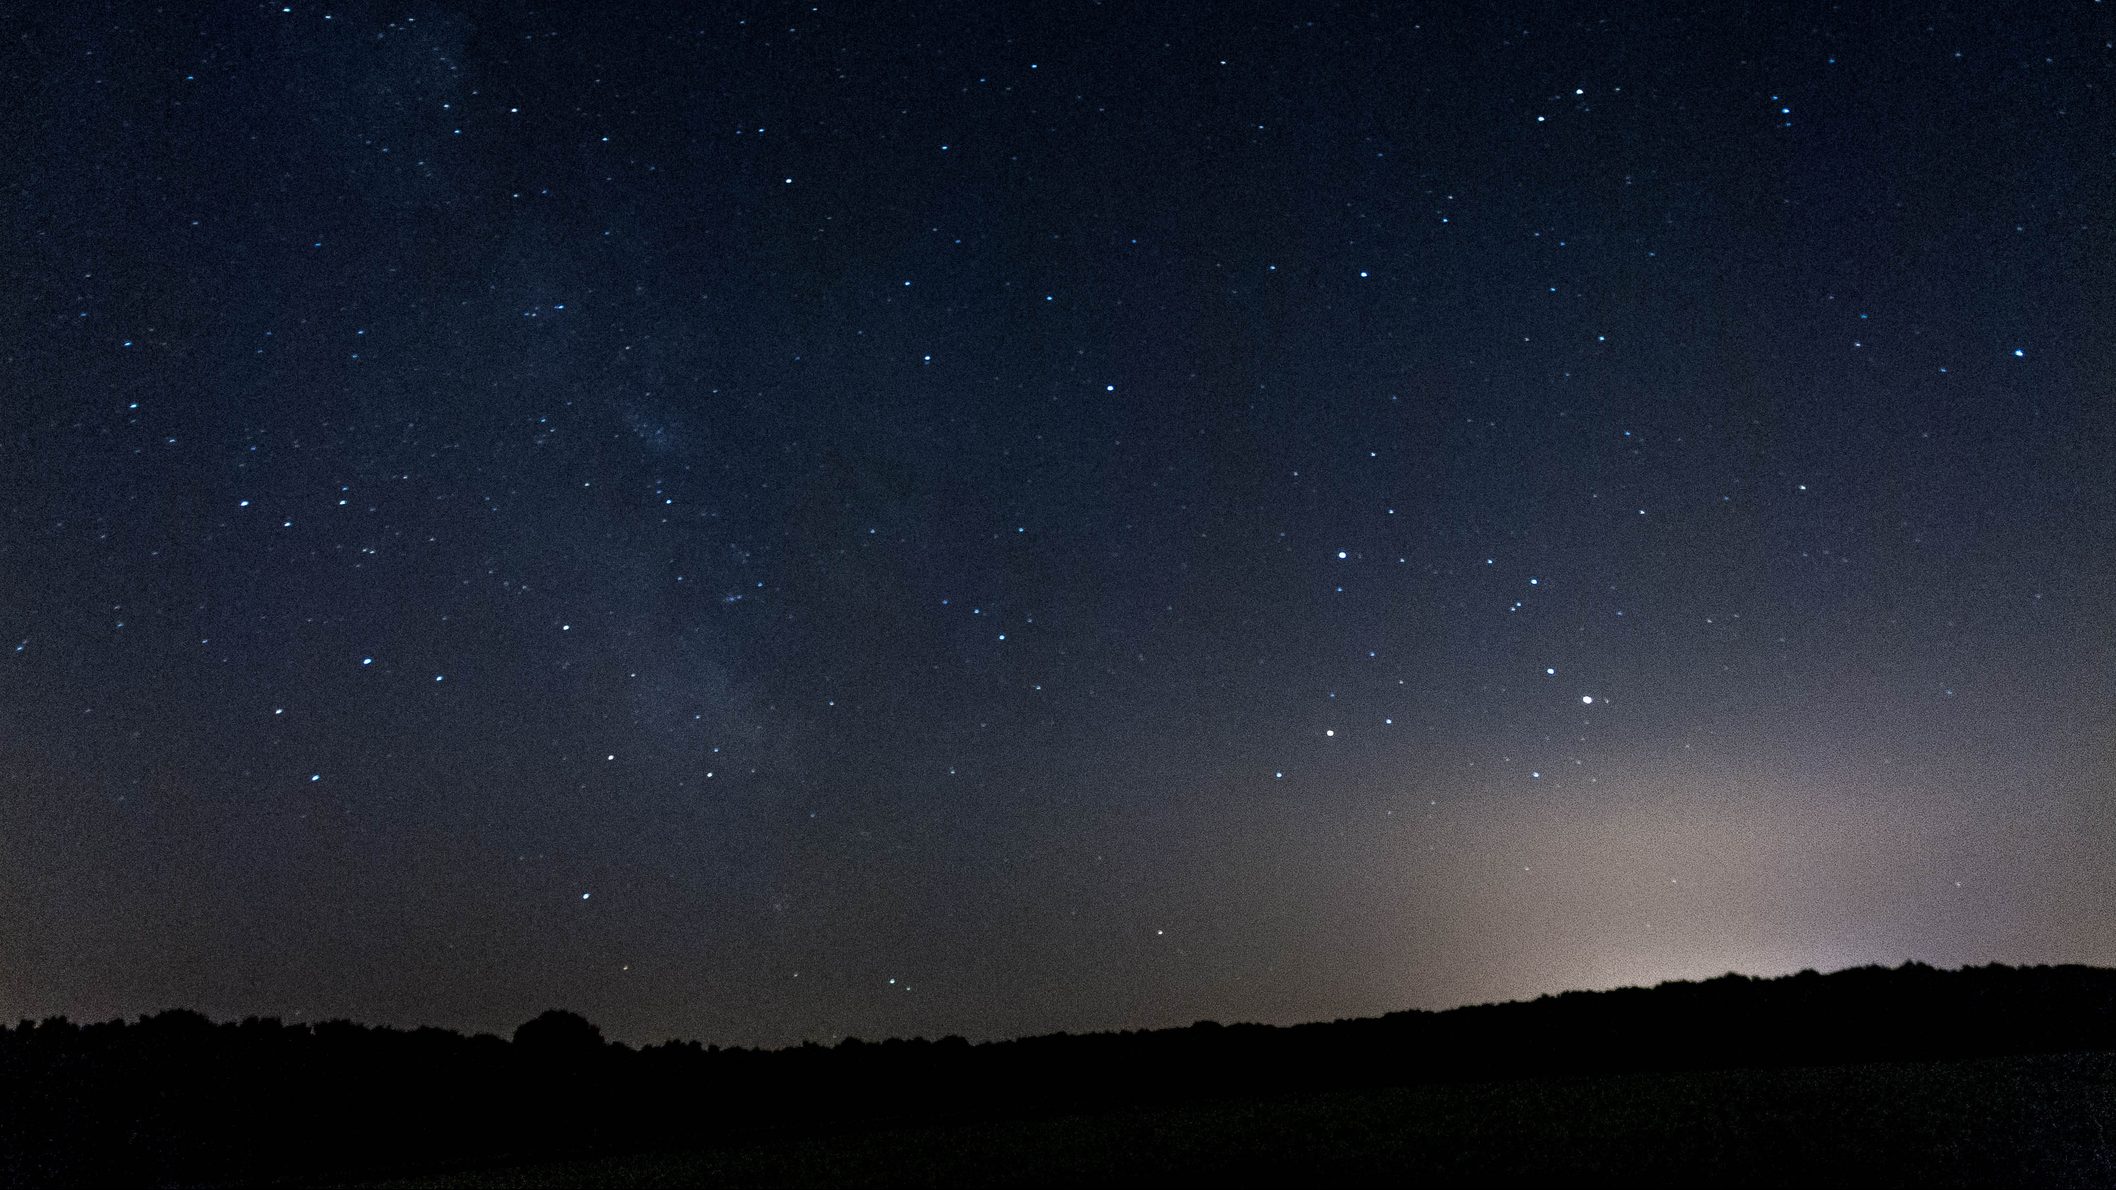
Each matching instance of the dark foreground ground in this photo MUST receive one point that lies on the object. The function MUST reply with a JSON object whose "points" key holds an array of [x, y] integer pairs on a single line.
{"points": [[2041, 1120]]}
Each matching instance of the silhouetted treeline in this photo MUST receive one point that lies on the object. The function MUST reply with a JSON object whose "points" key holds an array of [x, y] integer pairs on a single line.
{"points": [[176, 1097]]}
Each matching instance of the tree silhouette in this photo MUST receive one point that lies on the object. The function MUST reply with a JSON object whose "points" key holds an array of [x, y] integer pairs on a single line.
{"points": [[556, 1033]]}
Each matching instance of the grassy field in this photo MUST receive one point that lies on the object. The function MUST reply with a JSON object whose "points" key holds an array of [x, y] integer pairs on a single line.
{"points": [[2045, 1120]]}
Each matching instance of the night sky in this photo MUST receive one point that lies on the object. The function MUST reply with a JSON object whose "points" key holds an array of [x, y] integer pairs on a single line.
{"points": [[769, 522]]}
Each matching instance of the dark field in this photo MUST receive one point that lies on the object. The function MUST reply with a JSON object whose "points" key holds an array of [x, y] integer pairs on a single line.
{"points": [[2042, 1120]]}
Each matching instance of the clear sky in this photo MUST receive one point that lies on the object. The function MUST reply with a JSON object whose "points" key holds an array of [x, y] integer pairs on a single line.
{"points": [[759, 522]]}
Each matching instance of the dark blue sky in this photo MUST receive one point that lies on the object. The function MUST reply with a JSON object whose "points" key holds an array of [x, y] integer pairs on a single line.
{"points": [[785, 521]]}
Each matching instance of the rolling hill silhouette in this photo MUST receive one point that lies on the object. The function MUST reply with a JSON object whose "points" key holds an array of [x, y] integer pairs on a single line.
{"points": [[175, 1097]]}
